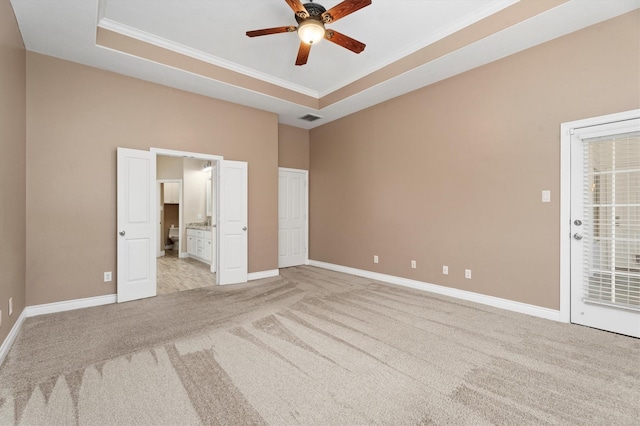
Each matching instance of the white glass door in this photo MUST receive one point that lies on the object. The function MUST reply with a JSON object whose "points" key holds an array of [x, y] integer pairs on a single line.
{"points": [[605, 228]]}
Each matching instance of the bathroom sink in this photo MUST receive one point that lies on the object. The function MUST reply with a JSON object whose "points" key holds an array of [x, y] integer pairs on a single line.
{"points": [[200, 226]]}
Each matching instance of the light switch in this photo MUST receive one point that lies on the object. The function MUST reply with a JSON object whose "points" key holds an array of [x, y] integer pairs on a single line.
{"points": [[546, 196]]}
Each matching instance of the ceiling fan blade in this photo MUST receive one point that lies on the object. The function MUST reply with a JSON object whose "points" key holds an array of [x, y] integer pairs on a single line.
{"points": [[345, 41], [298, 8], [267, 31], [303, 53], [343, 9]]}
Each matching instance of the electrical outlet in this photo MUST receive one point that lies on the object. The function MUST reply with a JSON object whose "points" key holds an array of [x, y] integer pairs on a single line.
{"points": [[546, 196], [375, 258], [10, 306], [413, 264], [108, 277], [445, 270], [467, 274]]}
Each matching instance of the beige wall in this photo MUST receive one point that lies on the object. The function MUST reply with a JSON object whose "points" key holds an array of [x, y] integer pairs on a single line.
{"points": [[293, 147], [77, 117], [12, 168], [168, 167], [452, 174]]}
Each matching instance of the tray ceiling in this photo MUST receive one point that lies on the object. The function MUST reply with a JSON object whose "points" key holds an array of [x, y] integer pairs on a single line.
{"points": [[201, 46]]}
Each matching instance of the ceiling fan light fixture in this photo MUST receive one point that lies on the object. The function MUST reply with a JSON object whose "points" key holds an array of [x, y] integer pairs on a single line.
{"points": [[311, 31]]}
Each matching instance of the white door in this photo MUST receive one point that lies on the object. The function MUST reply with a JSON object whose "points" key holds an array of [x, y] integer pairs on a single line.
{"points": [[292, 217], [232, 223], [160, 208], [136, 224], [605, 227], [212, 211]]}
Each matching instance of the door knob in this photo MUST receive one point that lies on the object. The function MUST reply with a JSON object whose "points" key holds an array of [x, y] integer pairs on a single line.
{"points": [[577, 222], [577, 236], [121, 233], [244, 228]]}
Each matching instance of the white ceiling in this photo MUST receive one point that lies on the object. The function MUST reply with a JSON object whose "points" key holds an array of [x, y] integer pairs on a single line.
{"points": [[214, 31]]}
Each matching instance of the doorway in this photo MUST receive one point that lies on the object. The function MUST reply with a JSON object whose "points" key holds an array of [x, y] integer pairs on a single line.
{"points": [[138, 221], [604, 222]]}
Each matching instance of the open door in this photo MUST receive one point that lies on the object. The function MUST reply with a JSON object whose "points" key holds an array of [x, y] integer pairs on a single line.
{"points": [[136, 272], [212, 212], [232, 222]]}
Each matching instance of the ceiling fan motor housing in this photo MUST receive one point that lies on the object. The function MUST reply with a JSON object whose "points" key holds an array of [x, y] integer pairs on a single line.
{"points": [[315, 11], [311, 18]]}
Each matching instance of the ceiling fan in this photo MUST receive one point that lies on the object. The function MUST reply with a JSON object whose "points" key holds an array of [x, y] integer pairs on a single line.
{"points": [[311, 18]]}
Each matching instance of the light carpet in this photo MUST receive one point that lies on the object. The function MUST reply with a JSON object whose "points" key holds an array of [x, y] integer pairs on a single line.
{"points": [[315, 347]]}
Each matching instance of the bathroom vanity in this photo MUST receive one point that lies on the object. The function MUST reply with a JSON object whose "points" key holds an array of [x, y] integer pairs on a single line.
{"points": [[201, 243]]}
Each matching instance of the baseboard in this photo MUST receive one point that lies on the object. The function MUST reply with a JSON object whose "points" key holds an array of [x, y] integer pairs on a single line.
{"points": [[69, 305], [11, 337], [263, 274], [496, 302]]}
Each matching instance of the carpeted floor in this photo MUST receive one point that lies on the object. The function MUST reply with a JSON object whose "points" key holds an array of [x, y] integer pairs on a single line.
{"points": [[315, 347]]}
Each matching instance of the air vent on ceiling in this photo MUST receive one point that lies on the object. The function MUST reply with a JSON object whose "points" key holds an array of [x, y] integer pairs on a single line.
{"points": [[310, 117]]}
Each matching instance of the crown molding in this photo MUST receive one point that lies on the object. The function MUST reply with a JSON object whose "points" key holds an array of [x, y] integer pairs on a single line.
{"points": [[461, 23], [146, 37]]}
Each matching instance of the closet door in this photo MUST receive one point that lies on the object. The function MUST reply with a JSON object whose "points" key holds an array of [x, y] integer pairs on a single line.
{"points": [[292, 217]]}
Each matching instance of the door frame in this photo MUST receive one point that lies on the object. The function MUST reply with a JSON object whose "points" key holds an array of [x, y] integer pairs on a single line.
{"points": [[209, 157], [306, 207], [566, 131]]}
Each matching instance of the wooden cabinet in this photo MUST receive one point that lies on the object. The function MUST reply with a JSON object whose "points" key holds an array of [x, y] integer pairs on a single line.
{"points": [[201, 245], [172, 193], [192, 242], [208, 249]]}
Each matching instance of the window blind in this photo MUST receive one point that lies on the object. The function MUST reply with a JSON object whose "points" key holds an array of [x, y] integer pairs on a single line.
{"points": [[612, 220]]}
